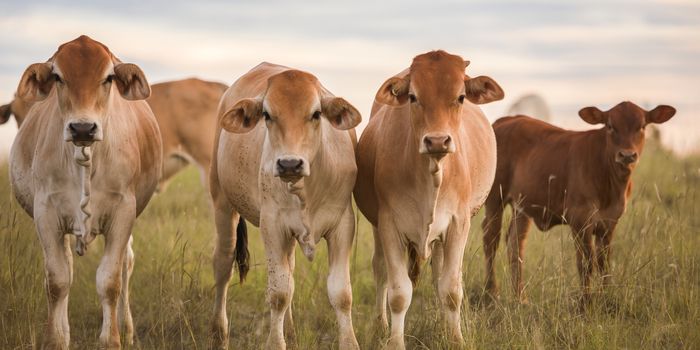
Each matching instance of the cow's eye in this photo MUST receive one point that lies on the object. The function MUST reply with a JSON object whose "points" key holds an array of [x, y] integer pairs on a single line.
{"points": [[266, 116], [57, 78], [109, 79], [316, 115], [413, 98], [461, 98]]}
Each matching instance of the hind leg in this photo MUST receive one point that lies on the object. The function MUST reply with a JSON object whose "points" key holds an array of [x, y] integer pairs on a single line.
{"points": [[124, 306], [436, 262], [491, 226], [517, 234], [172, 164]]}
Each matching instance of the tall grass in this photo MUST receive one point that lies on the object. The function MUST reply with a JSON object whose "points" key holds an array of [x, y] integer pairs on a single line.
{"points": [[654, 301]]}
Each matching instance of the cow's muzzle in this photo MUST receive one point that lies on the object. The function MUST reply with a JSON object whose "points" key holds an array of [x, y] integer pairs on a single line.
{"points": [[291, 168], [437, 145], [83, 133], [626, 157]]}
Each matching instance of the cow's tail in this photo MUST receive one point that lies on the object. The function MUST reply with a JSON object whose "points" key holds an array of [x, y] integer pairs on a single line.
{"points": [[414, 264], [242, 253]]}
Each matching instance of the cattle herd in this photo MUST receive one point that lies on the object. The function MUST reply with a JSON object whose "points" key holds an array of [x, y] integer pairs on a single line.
{"points": [[280, 150]]}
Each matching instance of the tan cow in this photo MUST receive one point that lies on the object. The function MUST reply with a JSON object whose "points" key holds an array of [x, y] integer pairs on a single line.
{"points": [[426, 162], [285, 161], [86, 162], [186, 115]]}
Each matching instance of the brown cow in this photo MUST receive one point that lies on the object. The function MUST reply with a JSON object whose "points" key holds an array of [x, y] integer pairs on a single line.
{"points": [[186, 114], [554, 176], [426, 162], [86, 162]]}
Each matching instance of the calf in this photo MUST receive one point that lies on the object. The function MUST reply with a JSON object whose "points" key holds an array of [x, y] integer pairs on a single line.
{"points": [[554, 176], [284, 159], [86, 162], [426, 162]]}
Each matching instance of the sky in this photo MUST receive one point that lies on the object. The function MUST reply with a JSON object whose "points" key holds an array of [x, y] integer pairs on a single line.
{"points": [[573, 53]]}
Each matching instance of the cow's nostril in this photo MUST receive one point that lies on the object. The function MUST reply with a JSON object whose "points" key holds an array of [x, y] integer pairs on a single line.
{"points": [[290, 165], [83, 131]]}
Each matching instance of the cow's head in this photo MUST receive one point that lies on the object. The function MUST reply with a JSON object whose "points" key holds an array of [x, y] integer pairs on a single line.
{"points": [[292, 108], [81, 75], [436, 89], [624, 125], [18, 107]]}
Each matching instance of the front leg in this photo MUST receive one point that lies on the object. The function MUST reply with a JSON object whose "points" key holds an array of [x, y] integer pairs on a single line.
{"points": [[58, 270], [339, 287], [400, 286], [450, 284], [109, 272], [124, 306], [603, 251], [280, 284], [583, 242]]}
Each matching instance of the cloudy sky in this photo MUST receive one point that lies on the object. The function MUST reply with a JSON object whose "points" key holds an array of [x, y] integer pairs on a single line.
{"points": [[574, 53]]}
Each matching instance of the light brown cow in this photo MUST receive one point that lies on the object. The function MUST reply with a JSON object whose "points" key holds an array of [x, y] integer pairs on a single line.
{"points": [[426, 162], [86, 162], [186, 115], [554, 176], [284, 159]]}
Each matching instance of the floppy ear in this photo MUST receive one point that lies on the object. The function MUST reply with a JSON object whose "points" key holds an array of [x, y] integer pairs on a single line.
{"points": [[131, 81], [340, 113], [5, 113], [593, 115], [394, 92], [482, 90], [243, 116], [36, 82], [660, 114]]}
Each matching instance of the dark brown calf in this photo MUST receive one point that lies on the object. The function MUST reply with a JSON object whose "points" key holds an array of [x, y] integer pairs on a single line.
{"points": [[551, 176]]}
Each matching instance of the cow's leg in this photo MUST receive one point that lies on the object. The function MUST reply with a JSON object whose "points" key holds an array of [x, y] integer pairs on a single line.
{"points": [[379, 268], [517, 234], [450, 284], [603, 251], [124, 308], [224, 255], [109, 272], [280, 284], [172, 164], [58, 279], [400, 286], [583, 242], [437, 258], [492, 236], [339, 287]]}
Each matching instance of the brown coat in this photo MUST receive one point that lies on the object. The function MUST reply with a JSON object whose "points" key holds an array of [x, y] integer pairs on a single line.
{"points": [[553, 176]]}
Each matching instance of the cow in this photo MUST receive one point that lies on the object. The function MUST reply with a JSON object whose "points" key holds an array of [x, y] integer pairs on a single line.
{"points": [[284, 159], [186, 114], [86, 162], [426, 162], [551, 176]]}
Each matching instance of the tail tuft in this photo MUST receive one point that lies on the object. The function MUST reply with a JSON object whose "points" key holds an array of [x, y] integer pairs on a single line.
{"points": [[242, 253]]}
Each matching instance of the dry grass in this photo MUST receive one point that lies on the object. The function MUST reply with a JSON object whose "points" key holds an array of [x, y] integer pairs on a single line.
{"points": [[654, 302]]}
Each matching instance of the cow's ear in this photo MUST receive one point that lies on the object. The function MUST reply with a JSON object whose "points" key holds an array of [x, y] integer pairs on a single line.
{"points": [[394, 92], [36, 82], [660, 114], [131, 82], [243, 116], [482, 90], [340, 113], [593, 115], [5, 113]]}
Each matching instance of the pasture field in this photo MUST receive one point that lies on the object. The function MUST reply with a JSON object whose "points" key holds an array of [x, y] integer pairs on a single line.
{"points": [[654, 302]]}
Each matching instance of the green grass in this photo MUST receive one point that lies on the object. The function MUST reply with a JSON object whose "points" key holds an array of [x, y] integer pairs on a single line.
{"points": [[654, 301]]}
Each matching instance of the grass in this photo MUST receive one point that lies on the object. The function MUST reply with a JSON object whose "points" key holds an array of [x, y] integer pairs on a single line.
{"points": [[654, 302]]}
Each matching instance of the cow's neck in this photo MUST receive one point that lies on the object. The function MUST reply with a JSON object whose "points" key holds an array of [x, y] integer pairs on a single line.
{"points": [[429, 175], [615, 179]]}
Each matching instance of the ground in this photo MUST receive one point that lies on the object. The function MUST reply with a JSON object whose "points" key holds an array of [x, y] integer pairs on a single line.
{"points": [[654, 302]]}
